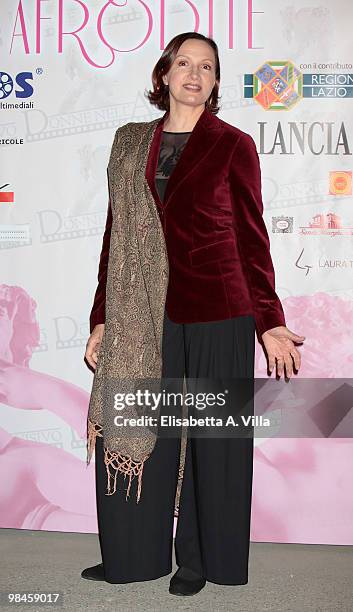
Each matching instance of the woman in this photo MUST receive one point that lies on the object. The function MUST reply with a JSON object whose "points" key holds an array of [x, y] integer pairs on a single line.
{"points": [[185, 279]]}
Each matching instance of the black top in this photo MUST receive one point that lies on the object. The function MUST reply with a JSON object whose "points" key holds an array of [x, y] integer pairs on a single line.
{"points": [[172, 145]]}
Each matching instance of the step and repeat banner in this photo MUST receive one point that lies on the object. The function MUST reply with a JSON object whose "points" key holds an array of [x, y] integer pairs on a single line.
{"points": [[71, 73]]}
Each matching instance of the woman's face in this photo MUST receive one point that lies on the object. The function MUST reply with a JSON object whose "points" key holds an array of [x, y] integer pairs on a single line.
{"points": [[194, 65]]}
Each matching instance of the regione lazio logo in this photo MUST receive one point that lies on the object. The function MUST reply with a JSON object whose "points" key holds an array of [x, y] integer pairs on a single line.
{"points": [[280, 85], [275, 85]]}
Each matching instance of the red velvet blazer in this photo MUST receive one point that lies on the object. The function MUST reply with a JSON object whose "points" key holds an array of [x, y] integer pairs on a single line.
{"points": [[218, 247]]}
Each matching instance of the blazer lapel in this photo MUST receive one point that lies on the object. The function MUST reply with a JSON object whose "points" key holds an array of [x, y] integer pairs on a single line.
{"points": [[201, 142]]}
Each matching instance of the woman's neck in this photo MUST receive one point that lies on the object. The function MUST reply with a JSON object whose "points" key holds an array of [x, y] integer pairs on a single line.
{"points": [[177, 122]]}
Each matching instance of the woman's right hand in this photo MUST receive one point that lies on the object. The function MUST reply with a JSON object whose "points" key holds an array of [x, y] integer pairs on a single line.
{"points": [[93, 345]]}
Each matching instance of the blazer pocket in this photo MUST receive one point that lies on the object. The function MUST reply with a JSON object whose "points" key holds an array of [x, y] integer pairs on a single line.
{"points": [[215, 251]]}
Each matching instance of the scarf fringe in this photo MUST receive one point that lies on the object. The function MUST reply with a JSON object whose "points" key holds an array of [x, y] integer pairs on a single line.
{"points": [[120, 463], [125, 465], [93, 430]]}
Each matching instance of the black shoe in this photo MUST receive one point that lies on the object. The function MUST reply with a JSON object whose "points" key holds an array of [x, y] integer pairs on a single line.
{"points": [[93, 573], [185, 586]]}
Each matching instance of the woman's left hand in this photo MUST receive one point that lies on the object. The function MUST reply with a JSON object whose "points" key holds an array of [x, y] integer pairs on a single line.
{"points": [[280, 348]]}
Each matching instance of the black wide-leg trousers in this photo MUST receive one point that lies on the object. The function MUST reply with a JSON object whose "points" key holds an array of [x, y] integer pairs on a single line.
{"points": [[213, 529]]}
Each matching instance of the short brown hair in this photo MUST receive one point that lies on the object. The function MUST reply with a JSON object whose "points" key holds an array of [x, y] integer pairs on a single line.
{"points": [[159, 96]]}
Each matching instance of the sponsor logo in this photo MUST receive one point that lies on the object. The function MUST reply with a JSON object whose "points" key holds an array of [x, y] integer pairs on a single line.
{"points": [[328, 224], [279, 85], [275, 85], [11, 141], [324, 262], [301, 264], [340, 183], [6, 195], [339, 264], [318, 138], [282, 225], [12, 236], [19, 84]]}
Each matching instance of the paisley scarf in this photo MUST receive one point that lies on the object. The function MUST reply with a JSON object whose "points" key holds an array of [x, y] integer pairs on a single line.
{"points": [[137, 280]]}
